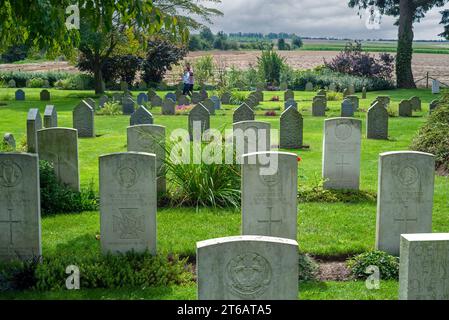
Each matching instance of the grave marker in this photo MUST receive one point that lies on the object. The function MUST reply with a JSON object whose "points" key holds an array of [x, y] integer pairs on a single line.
{"points": [[128, 203], [247, 268], [142, 98], [20, 95], [59, 146], [290, 103], [291, 129], [289, 94], [416, 103], [20, 216], [347, 109], [83, 120], [319, 107], [128, 105], [424, 266], [405, 108], [243, 113], [50, 117], [150, 139], [141, 116], [199, 118], [377, 122], [45, 95], [341, 153], [269, 202], [251, 136], [34, 123], [405, 197]]}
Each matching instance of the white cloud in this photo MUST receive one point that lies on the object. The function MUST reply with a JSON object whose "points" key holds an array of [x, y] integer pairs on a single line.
{"points": [[316, 18]]}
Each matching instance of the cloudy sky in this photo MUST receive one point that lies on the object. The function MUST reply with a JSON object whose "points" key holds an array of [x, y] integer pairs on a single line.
{"points": [[315, 18]]}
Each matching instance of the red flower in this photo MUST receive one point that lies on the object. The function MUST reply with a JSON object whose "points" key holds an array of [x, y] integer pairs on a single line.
{"points": [[299, 159]]}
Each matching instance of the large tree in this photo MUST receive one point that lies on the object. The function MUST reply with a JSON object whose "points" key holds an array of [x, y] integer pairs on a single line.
{"points": [[99, 41], [103, 24], [408, 12]]}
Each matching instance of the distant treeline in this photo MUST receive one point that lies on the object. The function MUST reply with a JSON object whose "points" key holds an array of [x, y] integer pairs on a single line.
{"points": [[207, 40]]}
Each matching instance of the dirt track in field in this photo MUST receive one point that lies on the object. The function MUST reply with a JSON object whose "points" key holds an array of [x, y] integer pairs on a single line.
{"points": [[436, 64]]}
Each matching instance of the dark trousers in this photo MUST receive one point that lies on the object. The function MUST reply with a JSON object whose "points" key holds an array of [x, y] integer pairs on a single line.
{"points": [[188, 89]]}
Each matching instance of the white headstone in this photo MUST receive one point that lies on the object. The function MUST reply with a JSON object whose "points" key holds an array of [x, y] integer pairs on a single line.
{"points": [[20, 217], [405, 197], [251, 136], [128, 202], [435, 87], [423, 270], [247, 268], [59, 146], [341, 153], [269, 194], [150, 139]]}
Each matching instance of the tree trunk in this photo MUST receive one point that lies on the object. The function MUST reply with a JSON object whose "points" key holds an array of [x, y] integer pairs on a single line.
{"points": [[98, 77], [404, 56]]}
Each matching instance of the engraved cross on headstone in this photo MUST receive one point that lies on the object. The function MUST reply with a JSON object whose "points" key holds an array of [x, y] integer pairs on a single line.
{"points": [[404, 222], [342, 164], [11, 222], [270, 221]]}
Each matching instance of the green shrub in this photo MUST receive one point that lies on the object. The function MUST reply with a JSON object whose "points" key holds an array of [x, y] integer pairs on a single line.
{"points": [[237, 98], [270, 65], [18, 275], [57, 198], [433, 137], [36, 83], [308, 268], [322, 77], [388, 265], [334, 96], [78, 81], [110, 109], [204, 69], [206, 185], [129, 270], [63, 80], [21, 78]]}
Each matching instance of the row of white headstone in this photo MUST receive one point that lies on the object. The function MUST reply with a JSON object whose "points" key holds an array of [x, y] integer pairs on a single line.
{"points": [[260, 264]]}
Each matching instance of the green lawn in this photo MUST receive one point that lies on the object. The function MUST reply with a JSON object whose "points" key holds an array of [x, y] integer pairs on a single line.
{"points": [[324, 229], [307, 291]]}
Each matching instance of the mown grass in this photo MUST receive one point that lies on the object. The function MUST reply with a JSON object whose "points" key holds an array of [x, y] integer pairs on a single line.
{"points": [[307, 291], [324, 229]]}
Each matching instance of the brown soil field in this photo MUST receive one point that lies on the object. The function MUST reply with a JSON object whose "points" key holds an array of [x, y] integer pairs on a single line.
{"points": [[436, 64]]}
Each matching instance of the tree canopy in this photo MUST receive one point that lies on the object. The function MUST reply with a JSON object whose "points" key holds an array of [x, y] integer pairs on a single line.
{"points": [[407, 12]]}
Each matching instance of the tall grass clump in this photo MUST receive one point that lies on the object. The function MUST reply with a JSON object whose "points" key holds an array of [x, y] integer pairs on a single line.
{"points": [[110, 109], [203, 185]]}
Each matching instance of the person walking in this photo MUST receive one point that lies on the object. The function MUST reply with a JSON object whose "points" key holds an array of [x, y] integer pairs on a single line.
{"points": [[188, 80]]}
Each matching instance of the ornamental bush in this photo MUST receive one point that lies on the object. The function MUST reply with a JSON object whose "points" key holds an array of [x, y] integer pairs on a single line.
{"points": [[354, 62], [433, 137], [388, 265]]}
